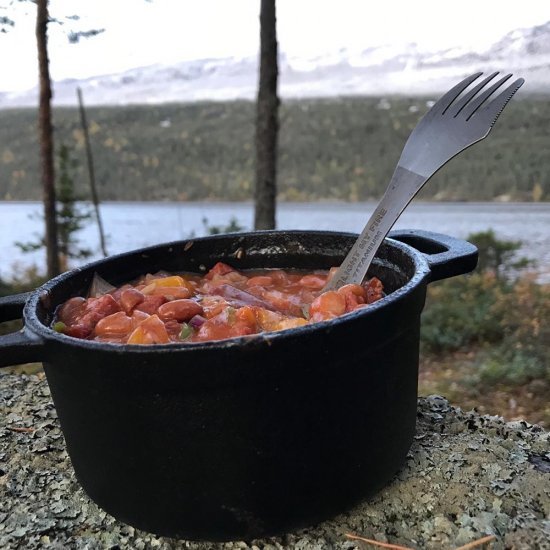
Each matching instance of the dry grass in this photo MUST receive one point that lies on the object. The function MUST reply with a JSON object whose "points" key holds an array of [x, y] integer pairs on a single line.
{"points": [[451, 375]]}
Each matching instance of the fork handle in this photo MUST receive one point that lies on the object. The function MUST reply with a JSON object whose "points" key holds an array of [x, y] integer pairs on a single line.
{"points": [[404, 185]]}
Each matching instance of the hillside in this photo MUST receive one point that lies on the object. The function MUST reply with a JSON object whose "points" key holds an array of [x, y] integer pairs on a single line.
{"points": [[338, 149], [395, 68]]}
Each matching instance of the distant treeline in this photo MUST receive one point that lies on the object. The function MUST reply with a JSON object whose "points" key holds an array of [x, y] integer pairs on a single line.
{"points": [[337, 149]]}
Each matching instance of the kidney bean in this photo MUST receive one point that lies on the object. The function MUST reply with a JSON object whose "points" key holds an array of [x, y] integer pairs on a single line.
{"points": [[117, 293], [179, 310], [77, 331], [130, 298], [94, 309], [71, 310], [151, 304]]}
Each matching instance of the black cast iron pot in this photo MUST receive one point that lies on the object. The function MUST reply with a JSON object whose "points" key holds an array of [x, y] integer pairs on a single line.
{"points": [[245, 437]]}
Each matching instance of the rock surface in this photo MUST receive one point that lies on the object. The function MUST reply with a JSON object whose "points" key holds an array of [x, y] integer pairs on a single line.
{"points": [[466, 476]]}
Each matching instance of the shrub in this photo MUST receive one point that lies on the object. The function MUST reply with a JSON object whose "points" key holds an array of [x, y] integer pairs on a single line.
{"points": [[496, 255], [71, 217], [232, 227], [500, 314], [459, 313], [523, 353]]}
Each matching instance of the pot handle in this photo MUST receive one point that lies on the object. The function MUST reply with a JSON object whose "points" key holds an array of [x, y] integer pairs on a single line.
{"points": [[21, 346], [447, 256]]}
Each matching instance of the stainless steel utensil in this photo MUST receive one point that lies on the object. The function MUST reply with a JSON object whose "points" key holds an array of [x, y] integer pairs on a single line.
{"points": [[453, 124]]}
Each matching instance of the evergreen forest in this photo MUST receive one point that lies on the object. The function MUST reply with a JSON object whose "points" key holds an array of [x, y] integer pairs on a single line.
{"points": [[337, 150]]}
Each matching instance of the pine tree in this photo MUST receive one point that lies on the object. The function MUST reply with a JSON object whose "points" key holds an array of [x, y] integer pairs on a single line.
{"points": [[70, 216]]}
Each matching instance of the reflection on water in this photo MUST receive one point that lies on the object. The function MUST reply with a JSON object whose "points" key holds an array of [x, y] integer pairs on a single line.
{"points": [[133, 225]]}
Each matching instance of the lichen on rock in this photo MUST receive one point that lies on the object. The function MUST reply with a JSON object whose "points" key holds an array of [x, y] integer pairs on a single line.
{"points": [[466, 476]]}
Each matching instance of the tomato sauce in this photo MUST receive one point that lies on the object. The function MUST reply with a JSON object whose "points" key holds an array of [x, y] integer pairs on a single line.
{"points": [[224, 303]]}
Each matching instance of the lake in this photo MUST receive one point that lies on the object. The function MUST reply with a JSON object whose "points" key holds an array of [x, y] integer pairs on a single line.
{"points": [[136, 224]]}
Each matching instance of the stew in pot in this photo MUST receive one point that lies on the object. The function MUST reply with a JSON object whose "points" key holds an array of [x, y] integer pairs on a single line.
{"points": [[225, 303]]}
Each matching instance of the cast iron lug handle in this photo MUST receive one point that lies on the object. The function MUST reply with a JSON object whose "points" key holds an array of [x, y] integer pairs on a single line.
{"points": [[11, 307], [21, 346], [447, 256]]}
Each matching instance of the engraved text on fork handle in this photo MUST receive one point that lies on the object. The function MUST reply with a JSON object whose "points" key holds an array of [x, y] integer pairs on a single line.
{"points": [[403, 186]]}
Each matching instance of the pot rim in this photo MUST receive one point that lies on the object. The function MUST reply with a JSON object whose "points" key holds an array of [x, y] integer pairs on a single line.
{"points": [[421, 273]]}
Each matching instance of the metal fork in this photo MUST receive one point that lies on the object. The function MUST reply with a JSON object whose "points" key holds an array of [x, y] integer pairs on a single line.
{"points": [[453, 124]]}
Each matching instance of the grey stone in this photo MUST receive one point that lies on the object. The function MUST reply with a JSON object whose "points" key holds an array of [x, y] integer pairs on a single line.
{"points": [[465, 477]]}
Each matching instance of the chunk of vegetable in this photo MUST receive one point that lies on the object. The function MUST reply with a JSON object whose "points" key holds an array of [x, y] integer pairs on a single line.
{"points": [[150, 331], [327, 306], [186, 331], [114, 325], [59, 327]]}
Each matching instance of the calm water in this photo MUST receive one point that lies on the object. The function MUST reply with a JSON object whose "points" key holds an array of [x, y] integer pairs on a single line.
{"points": [[133, 225]]}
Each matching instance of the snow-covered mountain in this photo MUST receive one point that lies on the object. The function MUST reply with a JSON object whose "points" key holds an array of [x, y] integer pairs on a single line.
{"points": [[393, 69]]}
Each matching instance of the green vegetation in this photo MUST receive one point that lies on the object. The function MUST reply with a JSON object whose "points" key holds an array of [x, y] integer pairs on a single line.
{"points": [[338, 149], [497, 256], [487, 334], [505, 322], [232, 227], [71, 216]]}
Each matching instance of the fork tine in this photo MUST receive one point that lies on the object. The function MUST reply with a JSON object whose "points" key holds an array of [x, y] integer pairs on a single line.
{"points": [[481, 99], [458, 106], [444, 102], [497, 105]]}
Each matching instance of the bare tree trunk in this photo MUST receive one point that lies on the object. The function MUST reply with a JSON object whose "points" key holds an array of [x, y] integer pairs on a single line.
{"points": [[45, 138], [91, 171], [267, 122]]}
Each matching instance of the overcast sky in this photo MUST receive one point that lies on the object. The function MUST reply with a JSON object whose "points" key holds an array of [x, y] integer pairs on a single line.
{"points": [[140, 32]]}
